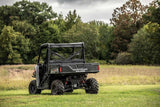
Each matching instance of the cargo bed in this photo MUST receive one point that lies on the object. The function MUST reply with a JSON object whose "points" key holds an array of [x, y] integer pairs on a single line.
{"points": [[66, 68]]}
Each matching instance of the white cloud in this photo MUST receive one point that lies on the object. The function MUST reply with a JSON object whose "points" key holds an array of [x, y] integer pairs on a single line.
{"points": [[101, 11], [87, 9]]}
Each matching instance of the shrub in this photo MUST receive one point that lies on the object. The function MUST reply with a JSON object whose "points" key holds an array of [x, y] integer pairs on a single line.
{"points": [[145, 45], [96, 61], [123, 58]]}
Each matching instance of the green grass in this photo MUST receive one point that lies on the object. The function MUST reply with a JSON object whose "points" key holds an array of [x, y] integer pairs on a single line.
{"points": [[109, 96], [120, 86]]}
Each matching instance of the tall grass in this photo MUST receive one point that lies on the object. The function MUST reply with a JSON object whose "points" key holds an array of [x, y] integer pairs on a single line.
{"points": [[19, 76], [127, 74], [15, 76]]}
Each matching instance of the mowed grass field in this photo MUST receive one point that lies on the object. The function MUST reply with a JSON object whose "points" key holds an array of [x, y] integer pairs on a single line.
{"points": [[113, 96], [122, 86]]}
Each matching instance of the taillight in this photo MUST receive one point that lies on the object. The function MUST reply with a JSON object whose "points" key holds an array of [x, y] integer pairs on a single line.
{"points": [[60, 69], [83, 81], [66, 82], [35, 71], [98, 68]]}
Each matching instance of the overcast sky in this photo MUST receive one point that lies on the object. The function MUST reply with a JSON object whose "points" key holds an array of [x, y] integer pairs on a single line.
{"points": [[88, 9]]}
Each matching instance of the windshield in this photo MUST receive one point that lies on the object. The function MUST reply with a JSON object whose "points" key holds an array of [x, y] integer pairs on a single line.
{"points": [[66, 54]]}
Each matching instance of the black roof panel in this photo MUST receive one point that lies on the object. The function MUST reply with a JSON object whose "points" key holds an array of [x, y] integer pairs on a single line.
{"points": [[78, 44]]}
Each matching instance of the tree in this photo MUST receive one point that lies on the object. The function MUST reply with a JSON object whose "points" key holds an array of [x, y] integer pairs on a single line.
{"points": [[71, 19], [7, 13], [61, 23], [153, 13], [145, 45], [25, 28], [49, 33], [105, 38], [34, 12], [127, 20], [13, 46], [86, 33]]}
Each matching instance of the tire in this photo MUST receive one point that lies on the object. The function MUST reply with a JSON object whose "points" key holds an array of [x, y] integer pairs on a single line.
{"points": [[33, 88], [91, 86], [57, 87]]}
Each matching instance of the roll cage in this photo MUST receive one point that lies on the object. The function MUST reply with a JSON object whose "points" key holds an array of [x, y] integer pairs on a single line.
{"points": [[61, 58]]}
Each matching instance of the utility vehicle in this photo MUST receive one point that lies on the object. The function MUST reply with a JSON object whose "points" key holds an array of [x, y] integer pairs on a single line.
{"points": [[62, 68]]}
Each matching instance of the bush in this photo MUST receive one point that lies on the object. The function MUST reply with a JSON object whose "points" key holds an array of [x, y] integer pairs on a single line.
{"points": [[145, 45], [123, 58], [96, 61]]}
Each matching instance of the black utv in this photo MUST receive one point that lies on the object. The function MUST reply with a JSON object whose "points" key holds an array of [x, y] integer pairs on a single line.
{"points": [[62, 68]]}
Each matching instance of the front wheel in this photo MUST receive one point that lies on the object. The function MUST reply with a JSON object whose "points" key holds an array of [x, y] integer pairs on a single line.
{"points": [[91, 86], [33, 88]]}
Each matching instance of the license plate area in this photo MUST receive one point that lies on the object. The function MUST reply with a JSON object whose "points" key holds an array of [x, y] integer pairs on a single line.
{"points": [[80, 70]]}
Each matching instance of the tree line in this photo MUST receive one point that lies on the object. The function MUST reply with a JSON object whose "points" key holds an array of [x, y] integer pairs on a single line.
{"points": [[133, 37]]}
